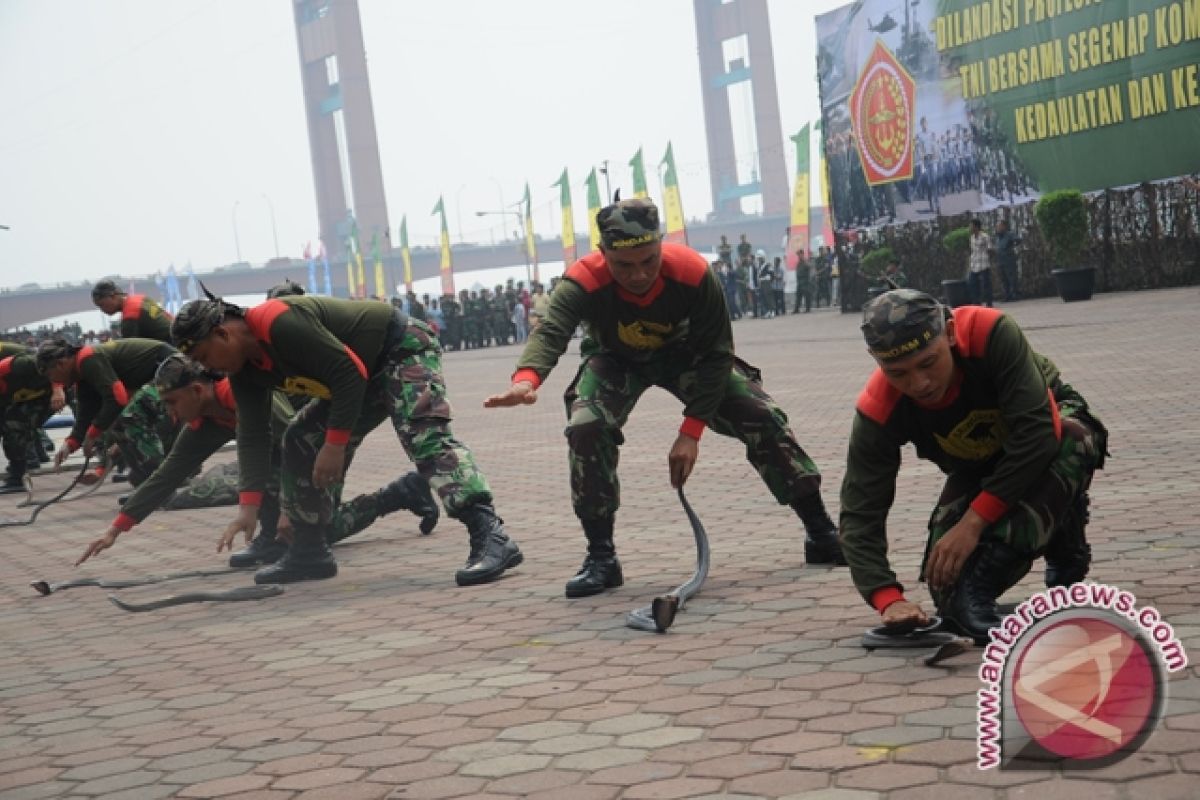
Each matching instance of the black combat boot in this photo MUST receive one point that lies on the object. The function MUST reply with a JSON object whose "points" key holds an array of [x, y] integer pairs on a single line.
{"points": [[411, 492], [970, 607], [821, 545], [264, 548], [15, 482], [1068, 556], [308, 559], [492, 552], [601, 570]]}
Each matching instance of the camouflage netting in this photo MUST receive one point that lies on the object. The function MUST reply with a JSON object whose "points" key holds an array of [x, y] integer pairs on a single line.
{"points": [[1147, 237]]}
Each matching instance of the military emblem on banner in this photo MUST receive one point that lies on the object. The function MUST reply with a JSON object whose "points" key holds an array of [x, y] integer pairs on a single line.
{"points": [[882, 108]]}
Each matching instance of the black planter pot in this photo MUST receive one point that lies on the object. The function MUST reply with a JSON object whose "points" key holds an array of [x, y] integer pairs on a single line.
{"points": [[1075, 284], [956, 293]]}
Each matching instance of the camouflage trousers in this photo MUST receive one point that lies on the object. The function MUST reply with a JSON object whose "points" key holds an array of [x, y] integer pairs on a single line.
{"points": [[1032, 520], [143, 432], [409, 388], [20, 424], [606, 389]]}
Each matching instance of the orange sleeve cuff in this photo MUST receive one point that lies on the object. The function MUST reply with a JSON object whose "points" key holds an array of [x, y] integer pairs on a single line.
{"points": [[692, 427], [94, 432], [124, 522], [527, 375], [988, 506], [100, 470], [72, 444], [882, 598], [250, 498], [339, 436]]}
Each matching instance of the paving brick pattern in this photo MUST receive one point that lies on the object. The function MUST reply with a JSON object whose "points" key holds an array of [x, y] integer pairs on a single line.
{"points": [[389, 681]]}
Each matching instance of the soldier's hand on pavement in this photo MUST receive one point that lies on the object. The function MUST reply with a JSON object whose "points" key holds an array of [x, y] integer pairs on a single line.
{"points": [[682, 459], [103, 543], [89, 478], [245, 522], [329, 465], [520, 393], [902, 612]]}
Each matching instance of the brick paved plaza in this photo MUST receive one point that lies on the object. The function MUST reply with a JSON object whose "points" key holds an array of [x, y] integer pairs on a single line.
{"points": [[389, 681]]}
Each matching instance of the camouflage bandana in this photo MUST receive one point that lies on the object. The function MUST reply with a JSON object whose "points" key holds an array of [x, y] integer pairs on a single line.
{"points": [[628, 223], [196, 321], [178, 371], [901, 322]]}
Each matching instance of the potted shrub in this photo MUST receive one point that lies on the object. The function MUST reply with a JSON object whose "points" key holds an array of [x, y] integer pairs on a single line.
{"points": [[1062, 217], [957, 243], [874, 265]]}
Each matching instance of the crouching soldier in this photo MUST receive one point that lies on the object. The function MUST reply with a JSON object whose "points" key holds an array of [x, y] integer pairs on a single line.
{"points": [[1018, 445], [362, 362]]}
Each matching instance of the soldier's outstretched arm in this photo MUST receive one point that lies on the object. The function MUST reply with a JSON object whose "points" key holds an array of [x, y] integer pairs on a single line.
{"points": [[520, 393]]}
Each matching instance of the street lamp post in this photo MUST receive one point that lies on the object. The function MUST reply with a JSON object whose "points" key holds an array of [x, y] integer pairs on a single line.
{"points": [[458, 211], [524, 244], [607, 185], [274, 233], [237, 242]]}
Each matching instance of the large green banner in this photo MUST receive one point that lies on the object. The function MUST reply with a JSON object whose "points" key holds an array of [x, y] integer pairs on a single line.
{"points": [[945, 106]]}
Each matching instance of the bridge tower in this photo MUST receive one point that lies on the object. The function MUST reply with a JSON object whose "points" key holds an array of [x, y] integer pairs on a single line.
{"points": [[734, 41], [341, 124]]}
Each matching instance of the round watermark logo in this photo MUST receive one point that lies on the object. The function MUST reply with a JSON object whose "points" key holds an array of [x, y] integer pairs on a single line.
{"points": [[1074, 677], [1086, 688]]}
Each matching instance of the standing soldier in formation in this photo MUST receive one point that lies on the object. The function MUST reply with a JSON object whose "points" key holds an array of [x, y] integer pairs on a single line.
{"points": [[141, 317], [803, 283], [501, 323], [470, 327], [452, 314], [655, 316]]}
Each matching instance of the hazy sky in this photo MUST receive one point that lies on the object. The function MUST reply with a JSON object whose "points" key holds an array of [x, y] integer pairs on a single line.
{"points": [[138, 133]]}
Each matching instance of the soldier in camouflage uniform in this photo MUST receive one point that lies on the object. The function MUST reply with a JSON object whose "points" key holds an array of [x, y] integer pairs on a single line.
{"points": [[1019, 447], [452, 314], [362, 363], [27, 399], [118, 403], [203, 403], [655, 316]]}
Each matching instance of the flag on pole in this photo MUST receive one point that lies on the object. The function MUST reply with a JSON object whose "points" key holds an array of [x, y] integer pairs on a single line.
{"points": [[312, 268], [530, 242], [672, 204], [593, 209], [325, 264], [358, 259], [827, 215], [405, 254], [193, 285], [639, 174], [798, 230], [174, 299], [353, 258], [381, 289], [568, 219], [447, 267]]}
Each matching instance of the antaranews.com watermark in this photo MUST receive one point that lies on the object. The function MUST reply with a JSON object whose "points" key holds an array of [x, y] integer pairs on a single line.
{"points": [[1075, 677]]}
